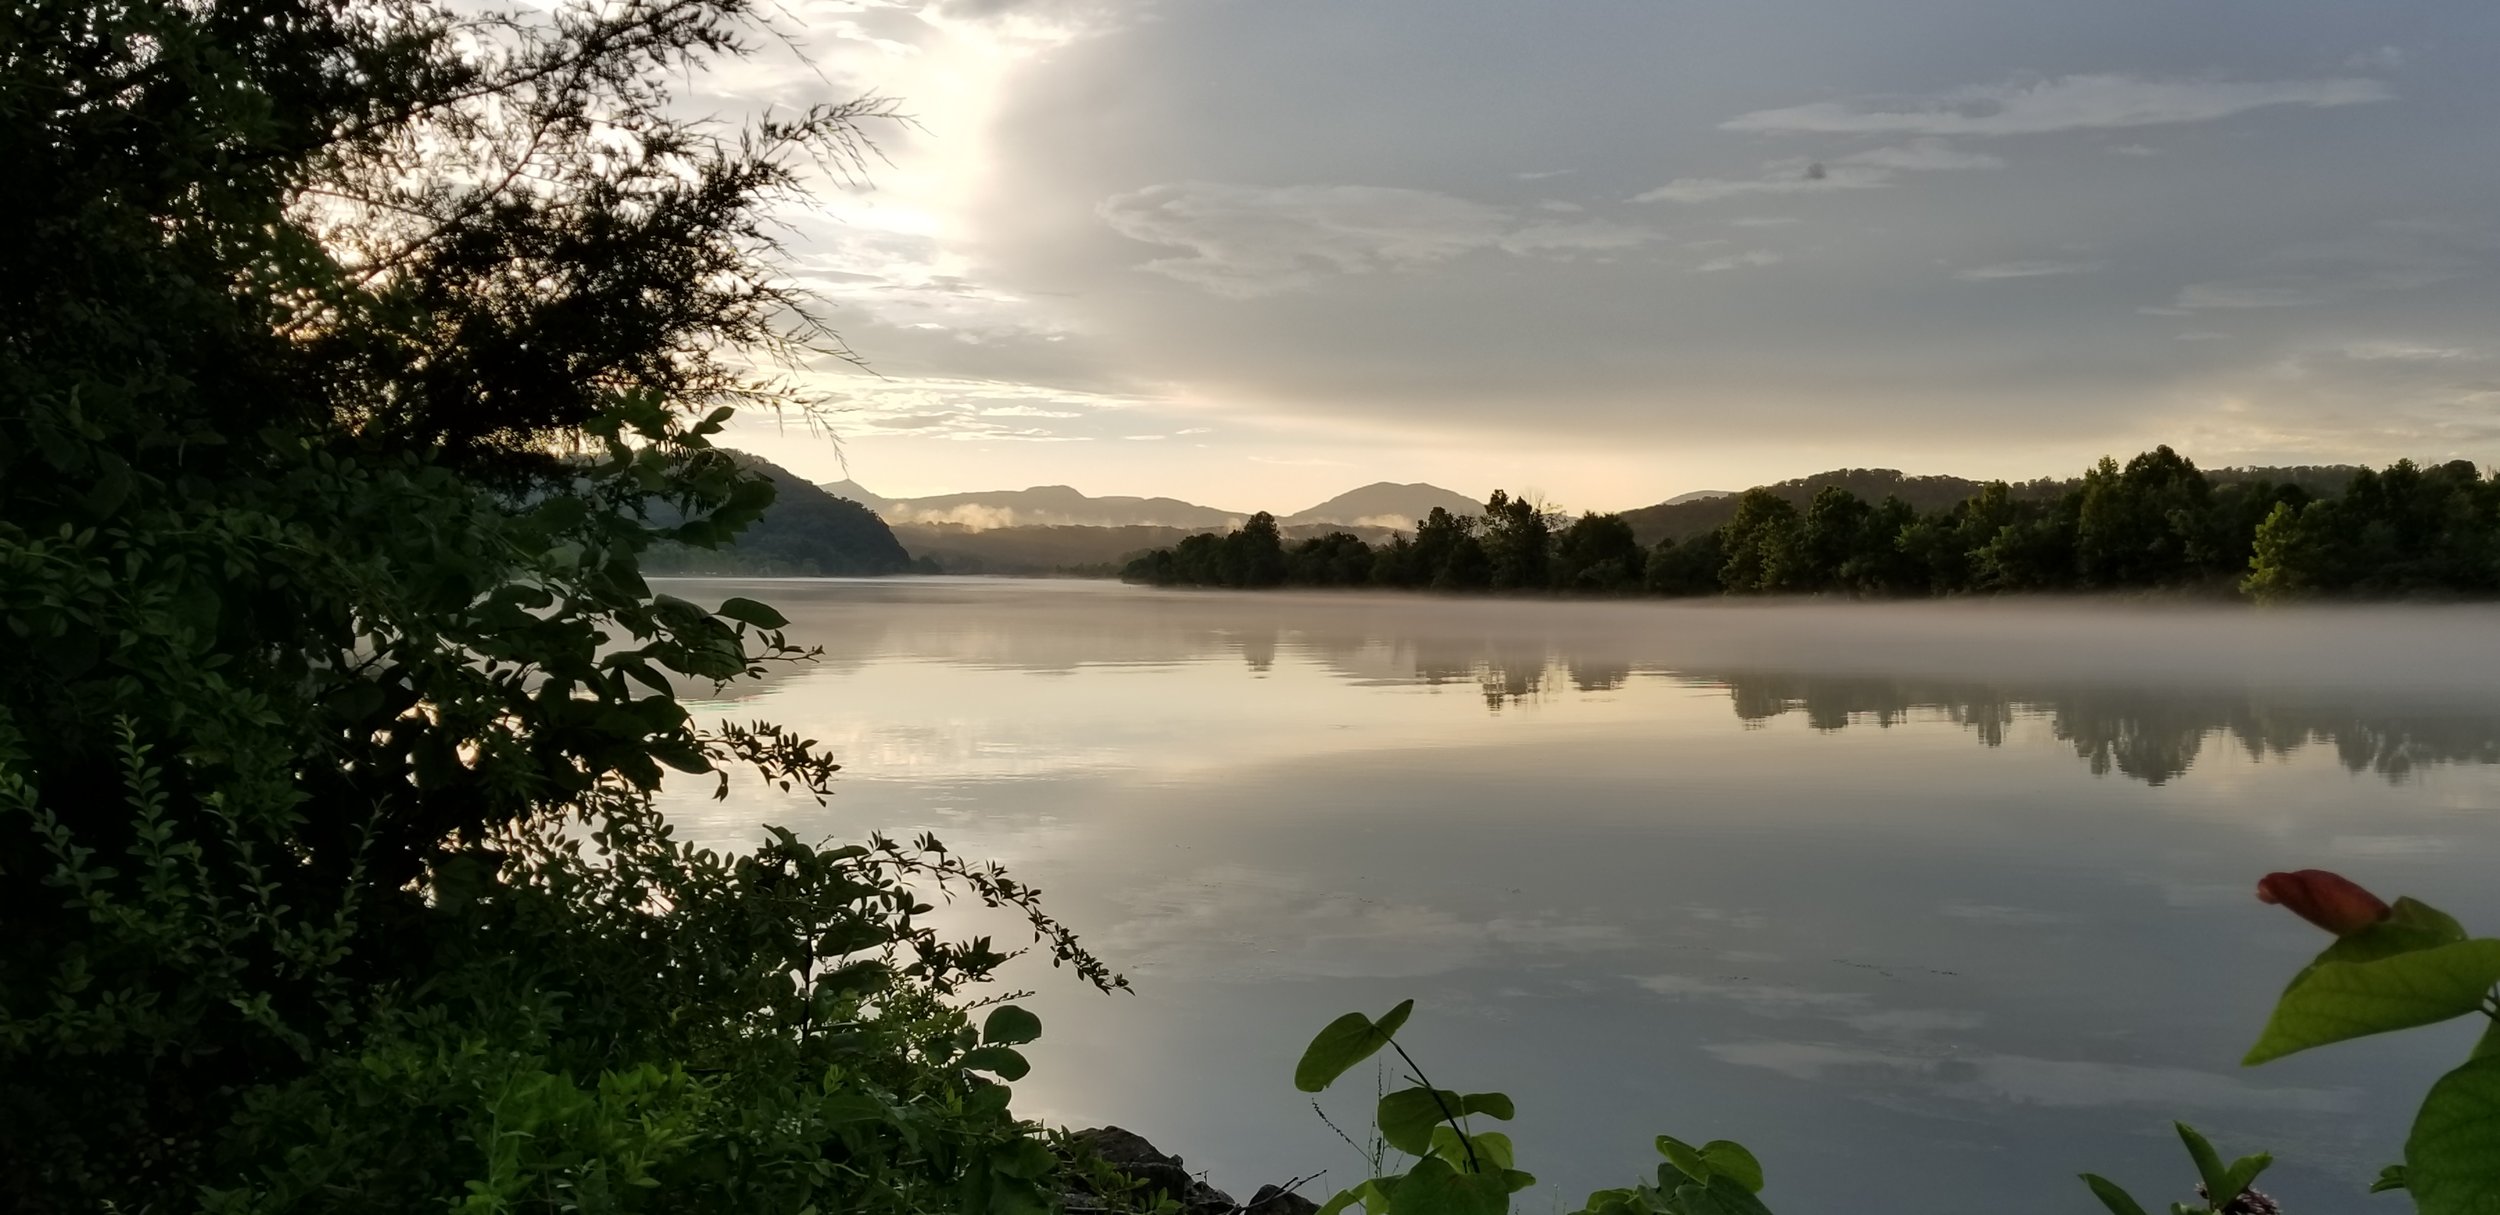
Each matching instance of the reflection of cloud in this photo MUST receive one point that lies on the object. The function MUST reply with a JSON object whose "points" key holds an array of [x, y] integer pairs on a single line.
{"points": [[2388, 846], [1767, 998], [1867, 170], [2012, 917], [1998, 270], [1910, 1021], [1234, 923], [2068, 103], [2024, 1080]]}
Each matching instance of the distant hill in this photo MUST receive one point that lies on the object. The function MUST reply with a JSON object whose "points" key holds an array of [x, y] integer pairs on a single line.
{"points": [[1384, 504], [806, 531], [1085, 551], [1698, 496], [1688, 515], [1039, 506]]}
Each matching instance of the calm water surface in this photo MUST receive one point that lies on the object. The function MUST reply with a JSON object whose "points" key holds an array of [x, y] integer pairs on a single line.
{"points": [[1932, 905]]}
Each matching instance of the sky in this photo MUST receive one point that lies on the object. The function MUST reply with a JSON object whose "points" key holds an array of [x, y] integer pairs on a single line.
{"points": [[1252, 253]]}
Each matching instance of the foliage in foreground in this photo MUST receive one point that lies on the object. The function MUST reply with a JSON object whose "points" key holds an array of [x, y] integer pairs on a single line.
{"points": [[2391, 967], [2157, 522], [353, 355]]}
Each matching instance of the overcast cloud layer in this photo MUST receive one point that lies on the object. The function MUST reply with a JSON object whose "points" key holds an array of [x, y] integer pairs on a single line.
{"points": [[1253, 252]]}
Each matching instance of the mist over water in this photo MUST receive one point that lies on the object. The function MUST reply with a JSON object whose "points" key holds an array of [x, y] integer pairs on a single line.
{"points": [[1949, 899]]}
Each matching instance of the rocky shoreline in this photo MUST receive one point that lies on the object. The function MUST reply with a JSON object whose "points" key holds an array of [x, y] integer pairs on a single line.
{"points": [[1159, 1173]]}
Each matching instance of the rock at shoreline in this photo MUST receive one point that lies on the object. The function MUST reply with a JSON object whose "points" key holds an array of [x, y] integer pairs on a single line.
{"points": [[1128, 1153]]}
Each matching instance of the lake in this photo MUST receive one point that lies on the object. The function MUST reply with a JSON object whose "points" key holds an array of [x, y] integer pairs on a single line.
{"points": [[1932, 905]]}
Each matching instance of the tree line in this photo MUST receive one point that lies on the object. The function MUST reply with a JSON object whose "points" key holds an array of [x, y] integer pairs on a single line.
{"points": [[2155, 523]]}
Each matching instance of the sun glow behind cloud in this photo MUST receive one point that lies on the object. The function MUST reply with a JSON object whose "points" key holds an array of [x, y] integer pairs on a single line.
{"points": [[1175, 249]]}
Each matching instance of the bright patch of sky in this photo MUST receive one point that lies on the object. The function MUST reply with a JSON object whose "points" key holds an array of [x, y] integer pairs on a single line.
{"points": [[1620, 249]]}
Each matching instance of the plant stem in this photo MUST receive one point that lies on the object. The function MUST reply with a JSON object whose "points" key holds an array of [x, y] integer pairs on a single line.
{"points": [[1447, 1115]]}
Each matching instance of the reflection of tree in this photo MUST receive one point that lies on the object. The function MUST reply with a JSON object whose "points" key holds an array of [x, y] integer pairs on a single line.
{"points": [[2151, 735], [1598, 674]]}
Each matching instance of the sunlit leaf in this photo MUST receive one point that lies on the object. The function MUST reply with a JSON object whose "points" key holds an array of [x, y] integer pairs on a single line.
{"points": [[2335, 1001]]}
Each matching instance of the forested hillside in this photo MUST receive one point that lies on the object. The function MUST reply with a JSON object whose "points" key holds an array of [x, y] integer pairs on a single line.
{"points": [[806, 532], [1683, 519], [2157, 523]]}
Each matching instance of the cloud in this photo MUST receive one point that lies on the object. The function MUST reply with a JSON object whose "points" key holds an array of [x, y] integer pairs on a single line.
{"points": [[1740, 261], [2377, 59], [1591, 235], [1248, 241], [2408, 352], [2067, 103], [1257, 240], [1997, 270], [2197, 297], [1782, 177], [1764, 221], [1923, 155], [1870, 169], [2132, 149]]}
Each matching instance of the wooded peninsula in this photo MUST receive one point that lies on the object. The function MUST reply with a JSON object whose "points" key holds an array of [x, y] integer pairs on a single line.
{"points": [[2157, 522]]}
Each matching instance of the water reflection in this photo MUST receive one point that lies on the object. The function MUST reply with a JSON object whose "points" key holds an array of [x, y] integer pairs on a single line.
{"points": [[2153, 736], [2150, 729], [1729, 871]]}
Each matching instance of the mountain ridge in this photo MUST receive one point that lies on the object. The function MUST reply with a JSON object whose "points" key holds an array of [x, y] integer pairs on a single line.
{"points": [[1379, 504]]}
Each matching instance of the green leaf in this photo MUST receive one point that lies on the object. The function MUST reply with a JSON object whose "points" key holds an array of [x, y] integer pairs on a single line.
{"points": [[1491, 1105], [1434, 1188], [2336, 1000], [1009, 1025], [1000, 1061], [1343, 1200], [2117, 1200], [2452, 1159], [1720, 1196], [2209, 1168], [1346, 1041], [2243, 1172], [1727, 1158], [1685, 1157], [1407, 1116], [748, 611], [2390, 1178], [1028, 1159], [1493, 1151]]}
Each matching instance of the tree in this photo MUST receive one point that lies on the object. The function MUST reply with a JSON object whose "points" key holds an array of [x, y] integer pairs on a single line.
{"points": [[1598, 553], [1253, 556], [1757, 541], [1517, 542], [354, 353], [2143, 525]]}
